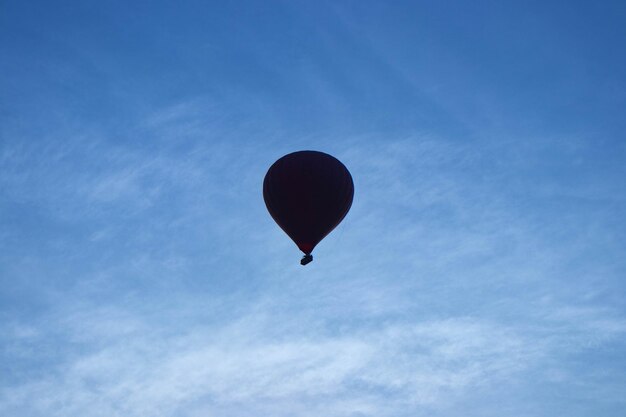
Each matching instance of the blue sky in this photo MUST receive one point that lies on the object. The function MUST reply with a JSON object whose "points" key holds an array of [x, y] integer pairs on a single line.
{"points": [[480, 271]]}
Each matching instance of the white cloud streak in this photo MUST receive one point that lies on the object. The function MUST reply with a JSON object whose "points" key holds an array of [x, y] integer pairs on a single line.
{"points": [[442, 285], [125, 364]]}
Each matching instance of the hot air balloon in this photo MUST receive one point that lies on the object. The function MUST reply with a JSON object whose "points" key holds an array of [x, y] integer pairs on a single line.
{"points": [[308, 193]]}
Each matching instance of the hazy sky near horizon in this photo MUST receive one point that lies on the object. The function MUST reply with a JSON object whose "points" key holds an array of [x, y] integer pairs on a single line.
{"points": [[480, 271]]}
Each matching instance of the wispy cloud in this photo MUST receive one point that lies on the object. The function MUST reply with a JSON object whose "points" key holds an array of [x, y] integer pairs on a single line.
{"points": [[437, 285], [127, 363]]}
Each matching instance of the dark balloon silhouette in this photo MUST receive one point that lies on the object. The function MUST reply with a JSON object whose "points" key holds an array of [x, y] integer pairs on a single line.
{"points": [[308, 193]]}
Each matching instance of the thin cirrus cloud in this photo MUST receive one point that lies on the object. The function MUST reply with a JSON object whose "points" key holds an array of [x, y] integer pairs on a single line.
{"points": [[127, 364], [386, 335]]}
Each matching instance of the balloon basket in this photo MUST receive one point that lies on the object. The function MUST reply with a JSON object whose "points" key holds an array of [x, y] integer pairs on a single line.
{"points": [[306, 259]]}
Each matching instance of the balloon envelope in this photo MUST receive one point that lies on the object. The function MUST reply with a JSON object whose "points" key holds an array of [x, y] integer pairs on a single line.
{"points": [[308, 193]]}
